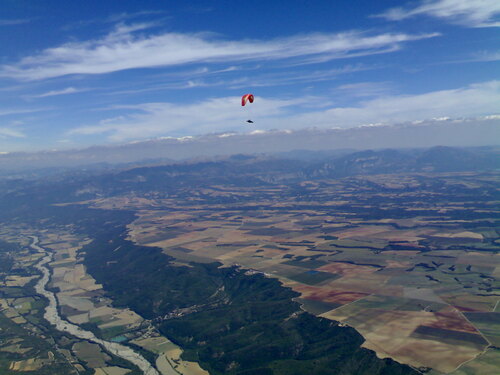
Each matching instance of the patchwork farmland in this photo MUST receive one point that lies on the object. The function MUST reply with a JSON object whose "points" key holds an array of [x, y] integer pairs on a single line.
{"points": [[226, 268], [414, 277]]}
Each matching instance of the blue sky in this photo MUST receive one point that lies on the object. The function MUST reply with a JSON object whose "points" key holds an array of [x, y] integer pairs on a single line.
{"points": [[79, 73]]}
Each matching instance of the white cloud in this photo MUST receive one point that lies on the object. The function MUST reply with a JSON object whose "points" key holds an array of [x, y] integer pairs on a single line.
{"points": [[471, 101], [124, 48], [10, 133], [127, 16], [185, 80], [11, 22], [366, 89], [226, 115], [471, 13], [213, 115], [17, 111], [290, 76], [68, 90], [486, 57]]}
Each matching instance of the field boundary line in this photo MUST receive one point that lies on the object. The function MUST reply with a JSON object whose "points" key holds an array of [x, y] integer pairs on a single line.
{"points": [[484, 337], [496, 305], [472, 359], [477, 329], [350, 303]]}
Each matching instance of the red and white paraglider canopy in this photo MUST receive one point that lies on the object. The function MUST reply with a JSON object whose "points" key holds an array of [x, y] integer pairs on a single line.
{"points": [[246, 98]]}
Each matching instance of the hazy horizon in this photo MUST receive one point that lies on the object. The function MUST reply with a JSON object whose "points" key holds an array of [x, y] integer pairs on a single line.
{"points": [[443, 132]]}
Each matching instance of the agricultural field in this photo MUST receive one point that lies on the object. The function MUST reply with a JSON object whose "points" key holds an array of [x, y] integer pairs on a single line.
{"points": [[27, 341], [404, 265], [81, 301], [416, 273]]}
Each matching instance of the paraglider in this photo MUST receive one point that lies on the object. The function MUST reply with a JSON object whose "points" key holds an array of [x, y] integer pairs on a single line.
{"points": [[246, 99]]}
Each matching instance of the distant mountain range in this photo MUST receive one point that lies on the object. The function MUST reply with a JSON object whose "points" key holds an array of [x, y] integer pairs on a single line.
{"points": [[328, 142], [436, 159], [241, 170], [248, 169]]}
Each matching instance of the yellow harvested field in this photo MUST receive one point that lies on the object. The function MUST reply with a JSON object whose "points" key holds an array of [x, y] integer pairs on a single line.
{"points": [[362, 231], [125, 318], [19, 320], [18, 280], [111, 371], [465, 234], [10, 312], [101, 311], [15, 349], [438, 355], [79, 318], [169, 361], [78, 303], [3, 304], [391, 333], [31, 364], [173, 356]]}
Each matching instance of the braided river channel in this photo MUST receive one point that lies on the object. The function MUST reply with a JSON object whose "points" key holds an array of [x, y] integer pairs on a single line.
{"points": [[52, 316]]}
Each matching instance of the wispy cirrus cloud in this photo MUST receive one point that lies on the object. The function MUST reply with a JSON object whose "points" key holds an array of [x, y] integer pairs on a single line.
{"points": [[480, 56], [366, 89], [289, 77], [124, 16], [486, 56], [470, 13], [116, 18], [124, 48], [11, 22], [225, 114], [67, 90], [11, 133], [17, 111]]}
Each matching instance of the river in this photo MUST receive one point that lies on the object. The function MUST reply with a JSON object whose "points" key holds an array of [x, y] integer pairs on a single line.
{"points": [[52, 316]]}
